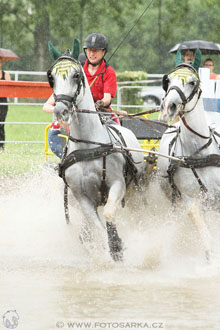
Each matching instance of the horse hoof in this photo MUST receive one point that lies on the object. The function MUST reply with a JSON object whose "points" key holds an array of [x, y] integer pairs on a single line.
{"points": [[118, 256], [114, 242], [85, 235]]}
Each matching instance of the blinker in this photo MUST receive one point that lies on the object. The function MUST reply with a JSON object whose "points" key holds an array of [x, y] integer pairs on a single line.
{"points": [[165, 82]]}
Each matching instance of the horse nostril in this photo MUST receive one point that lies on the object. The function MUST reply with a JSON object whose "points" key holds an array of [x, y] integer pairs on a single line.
{"points": [[65, 112], [172, 108]]}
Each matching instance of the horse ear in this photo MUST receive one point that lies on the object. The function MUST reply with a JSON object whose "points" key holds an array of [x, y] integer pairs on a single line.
{"points": [[179, 59], [197, 59], [53, 52], [76, 49]]}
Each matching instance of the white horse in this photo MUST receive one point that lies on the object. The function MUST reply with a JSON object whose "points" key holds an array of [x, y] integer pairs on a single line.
{"points": [[94, 170], [195, 140]]}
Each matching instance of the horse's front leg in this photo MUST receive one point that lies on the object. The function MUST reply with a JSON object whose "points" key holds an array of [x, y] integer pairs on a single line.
{"points": [[115, 196], [199, 222]]}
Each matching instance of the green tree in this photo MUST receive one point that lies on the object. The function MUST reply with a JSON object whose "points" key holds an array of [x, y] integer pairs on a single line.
{"points": [[26, 26]]}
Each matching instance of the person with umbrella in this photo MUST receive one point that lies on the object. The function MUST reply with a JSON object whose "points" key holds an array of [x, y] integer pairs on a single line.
{"points": [[188, 49], [3, 107], [188, 55]]}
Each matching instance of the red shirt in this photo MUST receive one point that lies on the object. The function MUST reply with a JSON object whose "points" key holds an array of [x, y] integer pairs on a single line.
{"points": [[214, 76], [56, 126], [105, 83]]}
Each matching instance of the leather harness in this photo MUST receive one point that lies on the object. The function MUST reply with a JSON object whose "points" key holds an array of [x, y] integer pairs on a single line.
{"points": [[192, 162]]}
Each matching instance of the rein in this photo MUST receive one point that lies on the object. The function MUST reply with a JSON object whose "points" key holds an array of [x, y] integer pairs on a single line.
{"points": [[190, 128]]}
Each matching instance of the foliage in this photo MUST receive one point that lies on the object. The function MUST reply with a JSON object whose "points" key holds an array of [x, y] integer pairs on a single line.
{"points": [[26, 26], [131, 76], [131, 95]]}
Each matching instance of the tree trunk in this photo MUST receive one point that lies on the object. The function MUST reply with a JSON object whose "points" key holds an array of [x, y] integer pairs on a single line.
{"points": [[41, 38]]}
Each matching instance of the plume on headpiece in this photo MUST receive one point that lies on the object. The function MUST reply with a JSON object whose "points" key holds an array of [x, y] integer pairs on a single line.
{"points": [[75, 49], [53, 52], [197, 59], [179, 59]]}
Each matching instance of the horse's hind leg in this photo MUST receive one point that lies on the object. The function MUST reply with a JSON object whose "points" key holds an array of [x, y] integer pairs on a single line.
{"points": [[116, 194]]}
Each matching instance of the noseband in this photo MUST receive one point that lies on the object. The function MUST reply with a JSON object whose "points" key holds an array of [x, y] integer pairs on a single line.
{"points": [[80, 81]]}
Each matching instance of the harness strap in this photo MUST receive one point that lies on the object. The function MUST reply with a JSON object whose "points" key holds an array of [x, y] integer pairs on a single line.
{"points": [[66, 210], [181, 94], [173, 141], [175, 191], [210, 160], [89, 142], [202, 186], [81, 155], [103, 188], [130, 167], [192, 163], [63, 97]]}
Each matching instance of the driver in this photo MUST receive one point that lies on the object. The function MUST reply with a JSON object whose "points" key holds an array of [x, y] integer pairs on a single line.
{"points": [[100, 75]]}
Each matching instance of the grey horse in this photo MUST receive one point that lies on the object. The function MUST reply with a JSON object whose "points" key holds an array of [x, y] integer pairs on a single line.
{"points": [[195, 140], [96, 172]]}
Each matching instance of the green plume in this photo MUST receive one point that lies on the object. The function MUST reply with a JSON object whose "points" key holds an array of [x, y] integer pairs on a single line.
{"points": [[76, 49], [53, 52], [179, 59], [197, 59]]}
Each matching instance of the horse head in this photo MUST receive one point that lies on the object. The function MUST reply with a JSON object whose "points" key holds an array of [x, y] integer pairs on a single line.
{"points": [[67, 80], [182, 87]]}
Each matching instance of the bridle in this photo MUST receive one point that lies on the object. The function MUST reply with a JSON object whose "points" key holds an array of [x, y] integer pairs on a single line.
{"points": [[80, 83], [184, 99]]}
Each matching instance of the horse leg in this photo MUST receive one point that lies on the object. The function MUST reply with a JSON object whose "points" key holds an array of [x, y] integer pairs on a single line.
{"points": [[116, 194], [199, 222], [94, 227]]}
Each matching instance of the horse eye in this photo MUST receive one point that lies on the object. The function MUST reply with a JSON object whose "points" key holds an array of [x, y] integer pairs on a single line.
{"points": [[76, 75], [192, 83]]}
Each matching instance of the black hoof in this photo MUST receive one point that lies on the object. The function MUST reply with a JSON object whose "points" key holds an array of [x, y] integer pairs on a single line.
{"points": [[114, 242]]}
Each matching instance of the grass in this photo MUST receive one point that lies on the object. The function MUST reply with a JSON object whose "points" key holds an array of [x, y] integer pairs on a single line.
{"points": [[19, 159]]}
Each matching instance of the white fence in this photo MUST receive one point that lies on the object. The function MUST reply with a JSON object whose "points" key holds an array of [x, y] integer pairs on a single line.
{"points": [[18, 75], [150, 89]]}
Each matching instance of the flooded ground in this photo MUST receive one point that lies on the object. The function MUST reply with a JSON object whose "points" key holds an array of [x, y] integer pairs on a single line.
{"points": [[48, 280]]}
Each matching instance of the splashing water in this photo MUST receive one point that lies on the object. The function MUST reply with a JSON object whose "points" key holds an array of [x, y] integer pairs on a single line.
{"points": [[48, 276]]}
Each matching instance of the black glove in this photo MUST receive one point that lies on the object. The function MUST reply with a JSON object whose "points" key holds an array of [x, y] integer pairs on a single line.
{"points": [[99, 105]]}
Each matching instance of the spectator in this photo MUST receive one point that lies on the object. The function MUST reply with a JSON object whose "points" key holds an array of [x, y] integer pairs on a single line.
{"points": [[208, 63], [188, 55], [3, 108]]}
